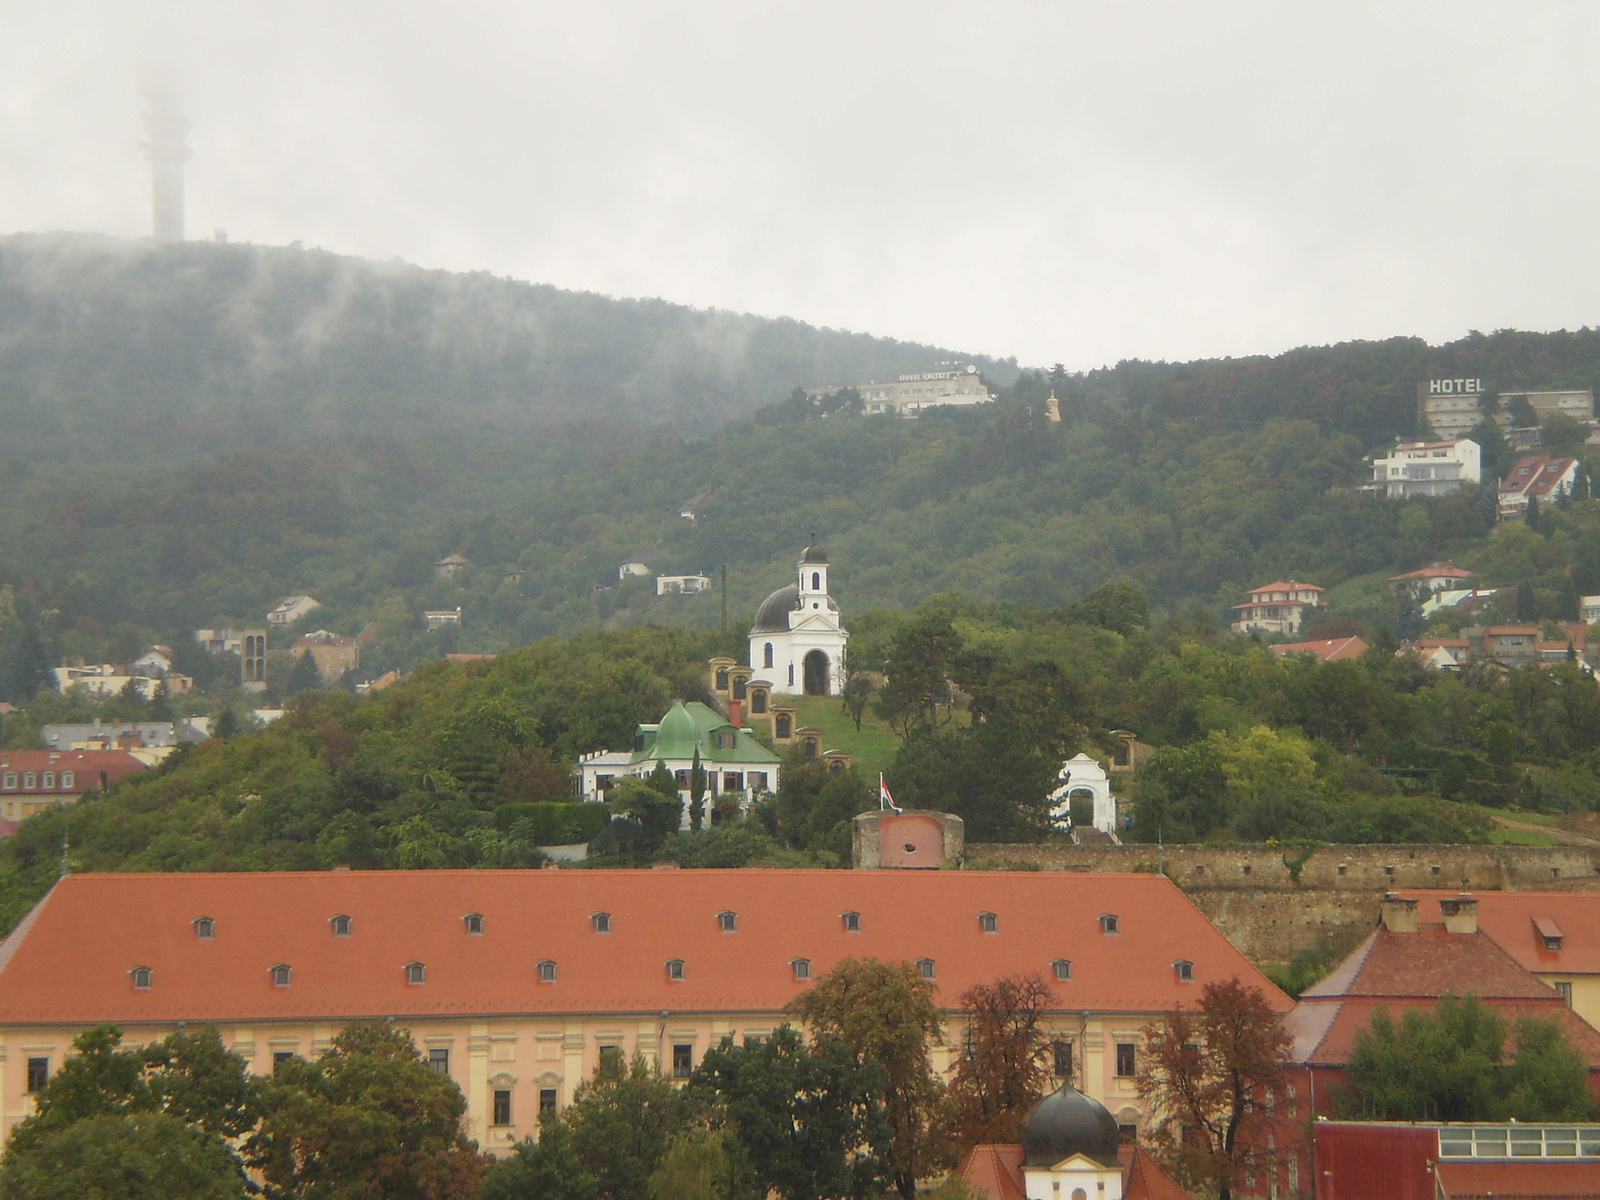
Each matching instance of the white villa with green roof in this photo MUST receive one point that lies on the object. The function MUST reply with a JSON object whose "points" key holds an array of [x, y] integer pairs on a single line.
{"points": [[734, 762]]}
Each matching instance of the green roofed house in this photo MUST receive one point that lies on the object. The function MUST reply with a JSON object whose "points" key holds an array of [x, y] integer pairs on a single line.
{"points": [[734, 762]]}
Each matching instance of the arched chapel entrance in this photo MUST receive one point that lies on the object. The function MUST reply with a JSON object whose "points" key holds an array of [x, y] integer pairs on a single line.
{"points": [[816, 664]]}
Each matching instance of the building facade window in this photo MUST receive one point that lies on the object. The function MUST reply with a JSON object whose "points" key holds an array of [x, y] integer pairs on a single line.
{"points": [[852, 921], [728, 922], [766, 656], [502, 1107], [473, 922], [783, 727], [758, 701], [816, 581], [547, 971], [601, 922], [205, 927], [802, 968], [1061, 1058], [611, 1058], [416, 973], [439, 1059], [1564, 987], [340, 925], [925, 967], [722, 679], [682, 1061], [547, 1101], [29, 780], [1108, 922], [10, 780], [1127, 1062], [280, 975], [988, 922], [675, 970], [740, 687], [1185, 970], [1062, 967], [141, 977], [49, 780], [38, 1073]]}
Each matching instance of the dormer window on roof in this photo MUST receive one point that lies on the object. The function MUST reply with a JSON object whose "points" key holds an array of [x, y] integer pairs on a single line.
{"points": [[925, 967], [141, 977], [205, 927], [416, 973], [340, 925], [1550, 934], [852, 921], [1062, 967], [547, 970], [1108, 922], [802, 967], [675, 971], [1185, 970], [280, 975], [728, 922], [473, 922], [601, 922], [988, 922]]}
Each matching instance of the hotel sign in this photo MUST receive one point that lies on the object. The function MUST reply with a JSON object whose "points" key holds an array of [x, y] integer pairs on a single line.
{"points": [[1455, 387]]}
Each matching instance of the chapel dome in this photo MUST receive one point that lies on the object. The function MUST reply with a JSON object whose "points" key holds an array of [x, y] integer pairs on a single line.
{"points": [[773, 615], [815, 554], [1064, 1123]]}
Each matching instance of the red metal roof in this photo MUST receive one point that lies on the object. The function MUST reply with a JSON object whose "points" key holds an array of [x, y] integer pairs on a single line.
{"points": [[69, 960], [1374, 1161], [1511, 1180]]}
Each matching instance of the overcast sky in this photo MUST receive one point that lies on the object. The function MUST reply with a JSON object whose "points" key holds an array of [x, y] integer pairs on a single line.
{"points": [[1053, 180]]}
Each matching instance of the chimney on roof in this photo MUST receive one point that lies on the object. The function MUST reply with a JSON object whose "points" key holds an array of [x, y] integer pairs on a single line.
{"points": [[1400, 914], [1460, 914]]}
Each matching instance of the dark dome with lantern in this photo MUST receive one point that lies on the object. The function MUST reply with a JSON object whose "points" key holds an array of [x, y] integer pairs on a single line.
{"points": [[1064, 1123], [815, 554], [773, 615]]}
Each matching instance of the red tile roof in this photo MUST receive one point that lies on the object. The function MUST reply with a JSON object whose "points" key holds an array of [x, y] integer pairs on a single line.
{"points": [[91, 768], [1143, 1178], [1398, 971], [994, 1172], [1330, 650], [1286, 585], [1438, 570], [69, 960], [1535, 475], [1511, 918]]}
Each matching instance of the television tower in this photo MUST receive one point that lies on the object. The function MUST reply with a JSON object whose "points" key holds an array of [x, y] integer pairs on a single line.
{"points": [[167, 151]]}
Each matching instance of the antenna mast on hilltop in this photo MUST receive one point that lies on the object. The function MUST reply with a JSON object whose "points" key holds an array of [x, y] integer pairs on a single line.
{"points": [[167, 151]]}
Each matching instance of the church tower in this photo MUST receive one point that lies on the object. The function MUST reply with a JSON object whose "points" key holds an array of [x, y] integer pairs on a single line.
{"points": [[797, 642]]}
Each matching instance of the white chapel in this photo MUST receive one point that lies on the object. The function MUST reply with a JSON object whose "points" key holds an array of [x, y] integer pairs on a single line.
{"points": [[797, 642]]}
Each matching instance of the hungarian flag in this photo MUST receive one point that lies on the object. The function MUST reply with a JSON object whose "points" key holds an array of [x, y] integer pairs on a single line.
{"points": [[884, 799]]}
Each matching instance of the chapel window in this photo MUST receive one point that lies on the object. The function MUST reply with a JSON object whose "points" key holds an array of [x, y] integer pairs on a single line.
{"points": [[816, 581], [783, 727], [766, 655]]}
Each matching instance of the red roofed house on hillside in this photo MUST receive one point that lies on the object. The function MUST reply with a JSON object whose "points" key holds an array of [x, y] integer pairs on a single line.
{"points": [[1537, 477], [1328, 650], [1436, 577], [34, 780], [517, 982], [1276, 607]]}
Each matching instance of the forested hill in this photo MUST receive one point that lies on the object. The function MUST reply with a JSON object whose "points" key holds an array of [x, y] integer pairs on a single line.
{"points": [[163, 351]]}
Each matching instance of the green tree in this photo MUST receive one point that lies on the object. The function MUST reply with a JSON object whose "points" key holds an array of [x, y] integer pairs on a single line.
{"points": [[304, 676], [809, 1117], [548, 1169], [623, 1121], [918, 666], [643, 817], [1121, 607], [697, 793], [884, 1013], [1213, 1074], [700, 1165], [855, 696], [123, 1156], [366, 1117], [1450, 1065]]}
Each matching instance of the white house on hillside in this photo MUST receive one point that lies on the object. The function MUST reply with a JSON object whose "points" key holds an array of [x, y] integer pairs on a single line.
{"points": [[1428, 468], [1277, 607]]}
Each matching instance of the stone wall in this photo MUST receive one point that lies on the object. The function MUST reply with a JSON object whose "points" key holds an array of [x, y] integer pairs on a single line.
{"points": [[1275, 901], [1337, 868]]}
